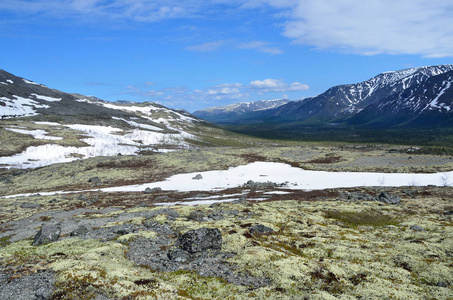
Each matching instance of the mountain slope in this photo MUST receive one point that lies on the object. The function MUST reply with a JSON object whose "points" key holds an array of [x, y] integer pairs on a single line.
{"points": [[238, 111], [428, 104], [40, 126], [344, 101]]}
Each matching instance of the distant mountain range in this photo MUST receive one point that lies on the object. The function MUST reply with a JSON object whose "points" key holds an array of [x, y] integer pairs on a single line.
{"points": [[406, 98], [238, 111]]}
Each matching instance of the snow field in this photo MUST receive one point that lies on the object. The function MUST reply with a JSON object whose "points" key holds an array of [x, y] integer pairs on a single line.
{"points": [[296, 179], [102, 141]]}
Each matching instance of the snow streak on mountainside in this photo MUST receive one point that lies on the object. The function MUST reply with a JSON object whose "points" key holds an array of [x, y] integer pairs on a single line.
{"points": [[344, 101], [84, 126], [429, 103], [235, 111]]}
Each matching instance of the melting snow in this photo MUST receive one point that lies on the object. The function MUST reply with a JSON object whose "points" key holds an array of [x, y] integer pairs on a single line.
{"points": [[37, 134], [46, 98], [30, 82], [135, 124], [296, 179], [48, 123], [102, 141], [19, 107]]}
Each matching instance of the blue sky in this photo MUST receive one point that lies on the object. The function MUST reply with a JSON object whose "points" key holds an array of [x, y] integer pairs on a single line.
{"points": [[195, 54]]}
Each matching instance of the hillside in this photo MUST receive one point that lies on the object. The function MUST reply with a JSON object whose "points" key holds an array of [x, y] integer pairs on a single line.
{"points": [[41, 126]]}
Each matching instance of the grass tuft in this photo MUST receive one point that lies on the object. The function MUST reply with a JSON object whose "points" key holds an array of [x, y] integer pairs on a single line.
{"points": [[362, 218]]}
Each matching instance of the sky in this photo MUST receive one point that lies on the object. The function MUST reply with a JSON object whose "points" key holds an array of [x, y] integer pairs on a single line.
{"points": [[195, 54]]}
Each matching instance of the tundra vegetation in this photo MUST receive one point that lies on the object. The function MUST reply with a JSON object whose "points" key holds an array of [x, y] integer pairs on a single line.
{"points": [[328, 244]]}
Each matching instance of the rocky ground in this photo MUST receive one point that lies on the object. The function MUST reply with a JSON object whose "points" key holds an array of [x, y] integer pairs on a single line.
{"points": [[357, 243]]}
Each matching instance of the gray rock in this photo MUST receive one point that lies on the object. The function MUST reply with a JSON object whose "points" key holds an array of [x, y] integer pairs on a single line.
{"points": [[30, 205], [152, 190], [94, 180], [199, 240], [417, 228], [47, 234], [81, 231], [197, 177], [36, 286], [388, 198], [260, 229], [198, 216], [163, 229]]}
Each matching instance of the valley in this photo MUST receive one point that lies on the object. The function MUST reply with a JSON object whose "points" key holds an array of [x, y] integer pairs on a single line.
{"points": [[103, 200]]}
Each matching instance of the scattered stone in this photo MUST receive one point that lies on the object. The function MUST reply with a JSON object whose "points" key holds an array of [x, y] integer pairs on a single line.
{"points": [[81, 230], [197, 177], [82, 197], [442, 284], [30, 205], [262, 185], [123, 229], [162, 198], [448, 212], [162, 229], [152, 190], [53, 201], [199, 240], [94, 180], [388, 198], [198, 216], [417, 228], [47, 234], [260, 229], [36, 286]]}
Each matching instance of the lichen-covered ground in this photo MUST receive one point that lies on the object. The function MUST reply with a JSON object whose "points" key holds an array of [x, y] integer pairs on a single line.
{"points": [[324, 245]]}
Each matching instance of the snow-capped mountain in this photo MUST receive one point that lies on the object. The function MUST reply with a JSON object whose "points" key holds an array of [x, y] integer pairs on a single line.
{"points": [[344, 101], [237, 110], [427, 104], [41, 126]]}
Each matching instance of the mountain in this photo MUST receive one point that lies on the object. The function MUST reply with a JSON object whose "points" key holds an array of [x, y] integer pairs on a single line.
{"points": [[41, 126], [427, 104], [346, 101], [238, 111]]}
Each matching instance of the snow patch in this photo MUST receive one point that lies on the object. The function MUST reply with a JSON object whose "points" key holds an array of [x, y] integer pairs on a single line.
{"points": [[46, 98], [298, 179], [20, 107], [102, 141], [139, 125], [30, 82], [37, 134]]}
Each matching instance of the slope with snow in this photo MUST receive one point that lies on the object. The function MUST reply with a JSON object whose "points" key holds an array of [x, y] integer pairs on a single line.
{"points": [[106, 128], [345, 101], [235, 111]]}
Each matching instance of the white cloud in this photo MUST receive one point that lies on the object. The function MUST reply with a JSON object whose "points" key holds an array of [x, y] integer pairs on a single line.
{"points": [[260, 46], [416, 27], [206, 47], [274, 85]]}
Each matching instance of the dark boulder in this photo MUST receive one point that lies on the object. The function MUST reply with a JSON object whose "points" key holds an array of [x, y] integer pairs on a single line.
{"points": [[200, 240], [197, 177], [94, 180], [388, 198], [47, 234], [260, 229]]}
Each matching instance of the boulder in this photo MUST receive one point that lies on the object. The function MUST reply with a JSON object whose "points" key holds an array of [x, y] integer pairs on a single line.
{"points": [[197, 177], [200, 240], [260, 229], [94, 180], [47, 234], [152, 190], [388, 198]]}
